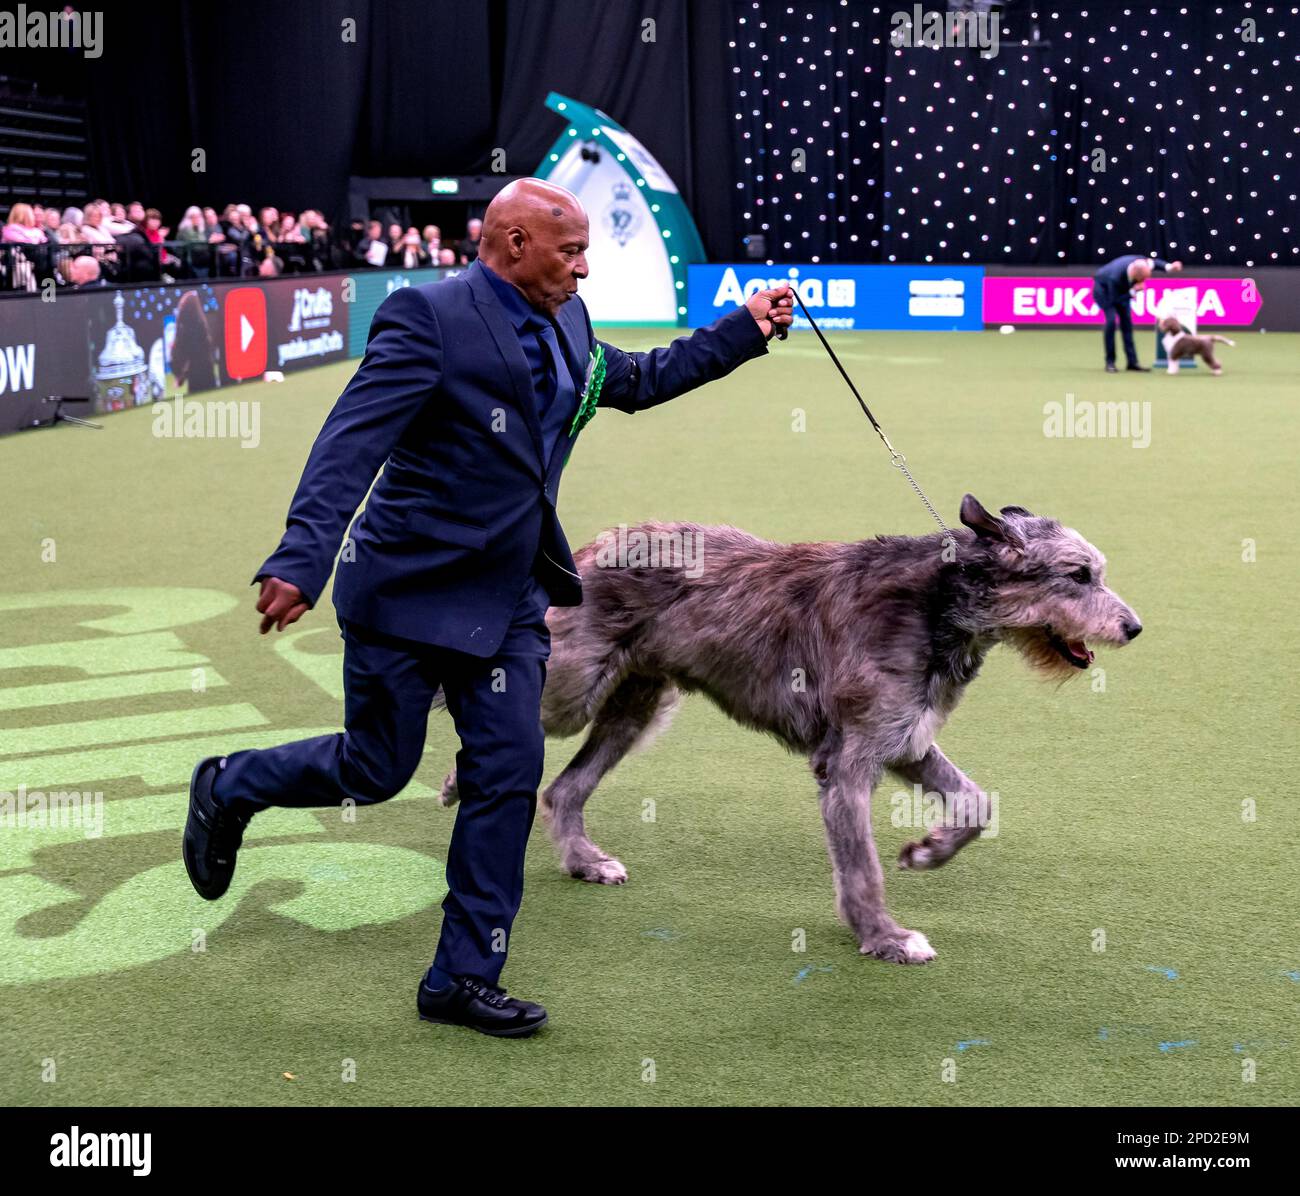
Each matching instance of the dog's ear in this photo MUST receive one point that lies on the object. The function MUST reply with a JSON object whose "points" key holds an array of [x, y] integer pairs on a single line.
{"points": [[986, 526]]}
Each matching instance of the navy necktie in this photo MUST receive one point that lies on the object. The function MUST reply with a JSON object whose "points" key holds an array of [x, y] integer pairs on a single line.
{"points": [[561, 392]]}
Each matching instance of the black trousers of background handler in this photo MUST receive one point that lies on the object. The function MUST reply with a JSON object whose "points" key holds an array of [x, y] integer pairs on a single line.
{"points": [[1118, 310], [496, 705]]}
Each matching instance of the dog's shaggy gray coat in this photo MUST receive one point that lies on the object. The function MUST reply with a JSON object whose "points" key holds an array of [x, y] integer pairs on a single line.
{"points": [[852, 654]]}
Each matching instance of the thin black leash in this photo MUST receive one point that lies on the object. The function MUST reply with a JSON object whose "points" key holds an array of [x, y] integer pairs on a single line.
{"points": [[895, 457]]}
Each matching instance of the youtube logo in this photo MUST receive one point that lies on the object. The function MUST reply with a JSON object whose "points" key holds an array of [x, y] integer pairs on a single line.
{"points": [[245, 333]]}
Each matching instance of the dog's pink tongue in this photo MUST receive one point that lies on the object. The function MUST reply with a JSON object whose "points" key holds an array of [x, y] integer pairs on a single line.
{"points": [[1080, 649]]}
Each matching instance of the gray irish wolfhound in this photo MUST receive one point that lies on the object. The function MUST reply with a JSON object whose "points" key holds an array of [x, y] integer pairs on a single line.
{"points": [[852, 654]]}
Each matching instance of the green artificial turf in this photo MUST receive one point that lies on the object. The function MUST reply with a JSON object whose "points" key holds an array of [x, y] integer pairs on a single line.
{"points": [[1121, 811]]}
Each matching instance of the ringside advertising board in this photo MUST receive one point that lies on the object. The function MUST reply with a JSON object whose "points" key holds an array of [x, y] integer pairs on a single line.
{"points": [[132, 346], [1040, 299], [846, 298]]}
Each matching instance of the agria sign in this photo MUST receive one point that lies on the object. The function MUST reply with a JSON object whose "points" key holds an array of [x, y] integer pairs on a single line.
{"points": [[844, 297]]}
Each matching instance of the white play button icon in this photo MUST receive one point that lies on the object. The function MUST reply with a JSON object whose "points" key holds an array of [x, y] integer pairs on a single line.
{"points": [[246, 332]]}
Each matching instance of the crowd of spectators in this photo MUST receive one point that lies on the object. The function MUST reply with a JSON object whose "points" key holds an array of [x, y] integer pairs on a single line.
{"points": [[103, 241]]}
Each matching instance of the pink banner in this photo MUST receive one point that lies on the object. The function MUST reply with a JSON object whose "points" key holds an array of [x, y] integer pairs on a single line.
{"points": [[1046, 300]]}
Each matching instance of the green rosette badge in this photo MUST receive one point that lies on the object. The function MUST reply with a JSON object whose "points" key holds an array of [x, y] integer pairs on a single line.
{"points": [[590, 392]]}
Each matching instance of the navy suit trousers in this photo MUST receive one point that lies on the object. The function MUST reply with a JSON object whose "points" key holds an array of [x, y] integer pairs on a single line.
{"points": [[1117, 310], [496, 705]]}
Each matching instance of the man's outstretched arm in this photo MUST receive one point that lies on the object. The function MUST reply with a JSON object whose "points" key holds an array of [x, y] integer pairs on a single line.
{"points": [[401, 368], [636, 381]]}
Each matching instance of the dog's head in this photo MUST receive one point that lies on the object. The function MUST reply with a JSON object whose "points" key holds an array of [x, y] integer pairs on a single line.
{"points": [[1048, 595], [1170, 324]]}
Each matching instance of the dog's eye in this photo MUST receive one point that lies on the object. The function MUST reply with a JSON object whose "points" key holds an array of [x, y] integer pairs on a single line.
{"points": [[1083, 575]]}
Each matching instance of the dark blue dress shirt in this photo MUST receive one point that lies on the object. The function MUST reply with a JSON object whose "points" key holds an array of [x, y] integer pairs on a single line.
{"points": [[553, 390]]}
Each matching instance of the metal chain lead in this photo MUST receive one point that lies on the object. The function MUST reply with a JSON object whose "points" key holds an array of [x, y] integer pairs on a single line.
{"points": [[895, 457]]}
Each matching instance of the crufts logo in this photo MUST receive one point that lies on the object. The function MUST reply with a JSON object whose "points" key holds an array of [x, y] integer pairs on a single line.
{"points": [[86, 1149]]}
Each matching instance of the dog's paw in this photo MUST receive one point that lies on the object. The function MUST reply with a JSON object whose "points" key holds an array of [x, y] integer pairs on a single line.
{"points": [[918, 857], [904, 946], [450, 795], [604, 871]]}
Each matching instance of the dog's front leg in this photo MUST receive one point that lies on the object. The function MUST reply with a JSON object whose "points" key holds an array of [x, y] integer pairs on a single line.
{"points": [[846, 785], [966, 809]]}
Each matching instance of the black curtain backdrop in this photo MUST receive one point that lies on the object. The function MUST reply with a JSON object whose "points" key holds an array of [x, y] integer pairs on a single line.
{"points": [[911, 154], [286, 107], [917, 154]]}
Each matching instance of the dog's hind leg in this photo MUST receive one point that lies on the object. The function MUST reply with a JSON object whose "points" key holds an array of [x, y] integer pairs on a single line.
{"points": [[966, 809], [846, 779], [632, 714]]}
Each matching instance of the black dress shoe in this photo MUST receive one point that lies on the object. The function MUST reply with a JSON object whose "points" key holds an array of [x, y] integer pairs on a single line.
{"points": [[1138, 369], [1110, 368], [213, 834], [470, 1002]]}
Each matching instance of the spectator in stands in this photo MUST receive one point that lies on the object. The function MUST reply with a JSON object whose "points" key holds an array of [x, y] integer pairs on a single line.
{"points": [[210, 221], [343, 245], [192, 228], [135, 212], [21, 227], [84, 272], [446, 256], [69, 234], [270, 266], [152, 225], [316, 233], [410, 254], [234, 254], [117, 221], [432, 240], [372, 248], [289, 230], [139, 260], [73, 216], [468, 248], [93, 231], [260, 238], [51, 224], [269, 220], [156, 234]]}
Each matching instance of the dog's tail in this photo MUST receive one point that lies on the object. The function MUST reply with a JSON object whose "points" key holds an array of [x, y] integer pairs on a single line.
{"points": [[1223, 340]]}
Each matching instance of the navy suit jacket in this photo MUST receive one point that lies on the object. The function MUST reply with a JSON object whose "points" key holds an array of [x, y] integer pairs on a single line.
{"points": [[1112, 282], [465, 508]]}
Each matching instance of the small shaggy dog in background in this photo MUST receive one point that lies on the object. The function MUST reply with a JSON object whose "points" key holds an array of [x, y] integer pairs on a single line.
{"points": [[1180, 343], [851, 654]]}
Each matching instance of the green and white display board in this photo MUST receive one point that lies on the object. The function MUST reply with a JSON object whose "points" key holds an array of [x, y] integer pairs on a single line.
{"points": [[642, 235]]}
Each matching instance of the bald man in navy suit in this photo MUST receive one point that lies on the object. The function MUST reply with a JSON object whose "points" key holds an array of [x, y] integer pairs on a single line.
{"points": [[469, 399], [1113, 289]]}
